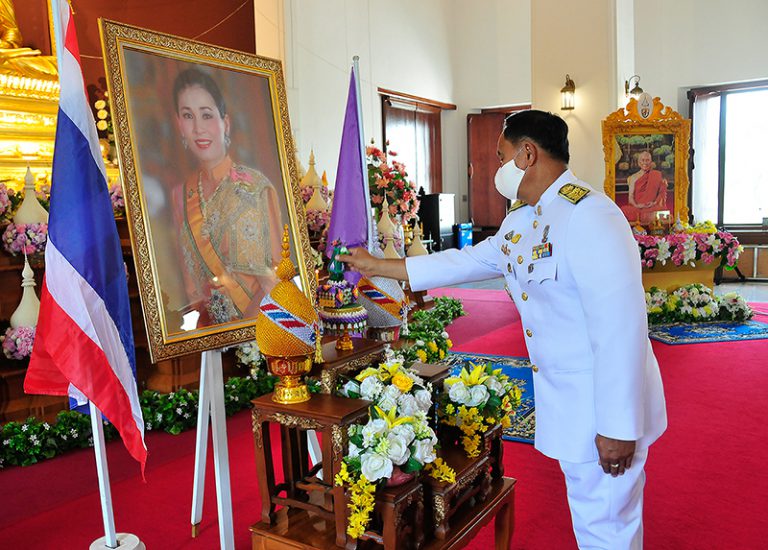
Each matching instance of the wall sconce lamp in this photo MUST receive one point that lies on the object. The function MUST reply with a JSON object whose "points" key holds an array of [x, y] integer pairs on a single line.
{"points": [[636, 90], [568, 94]]}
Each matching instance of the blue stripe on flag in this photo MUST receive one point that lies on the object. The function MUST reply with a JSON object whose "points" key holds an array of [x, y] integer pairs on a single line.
{"points": [[82, 226]]}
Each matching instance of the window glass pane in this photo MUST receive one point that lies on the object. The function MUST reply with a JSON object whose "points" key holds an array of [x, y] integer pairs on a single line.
{"points": [[746, 166], [706, 151]]}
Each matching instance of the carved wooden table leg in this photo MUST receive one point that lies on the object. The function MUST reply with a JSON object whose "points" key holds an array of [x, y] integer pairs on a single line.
{"points": [[419, 522], [440, 507], [264, 468], [504, 524]]}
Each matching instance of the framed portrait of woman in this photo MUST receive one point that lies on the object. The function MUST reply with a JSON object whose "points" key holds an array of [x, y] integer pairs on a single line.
{"points": [[210, 180], [646, 147]]}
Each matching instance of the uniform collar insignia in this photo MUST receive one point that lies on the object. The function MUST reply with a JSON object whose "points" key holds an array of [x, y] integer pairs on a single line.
{"points": [[573, 193]]}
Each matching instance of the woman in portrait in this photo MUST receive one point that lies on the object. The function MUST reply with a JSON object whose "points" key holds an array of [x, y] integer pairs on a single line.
{"points": [[227, 213]]}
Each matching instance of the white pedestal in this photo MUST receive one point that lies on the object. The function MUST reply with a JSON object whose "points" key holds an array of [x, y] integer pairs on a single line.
{"points": [[125, 541]]}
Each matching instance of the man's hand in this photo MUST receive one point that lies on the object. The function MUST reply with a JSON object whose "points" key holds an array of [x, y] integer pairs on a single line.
{"points": [[359, 259], [615, 454]]}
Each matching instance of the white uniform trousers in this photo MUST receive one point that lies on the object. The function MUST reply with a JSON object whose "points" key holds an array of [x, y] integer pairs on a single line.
{"points": [[607, 512]]}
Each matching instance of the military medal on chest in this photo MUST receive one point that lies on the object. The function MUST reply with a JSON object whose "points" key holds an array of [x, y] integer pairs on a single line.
{"points": [[505, 249], [541, 251], [513, 237], [545, 236]]}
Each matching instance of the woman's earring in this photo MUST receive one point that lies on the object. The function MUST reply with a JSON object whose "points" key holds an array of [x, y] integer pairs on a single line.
{"points": [[227, 140], [184, 143]]}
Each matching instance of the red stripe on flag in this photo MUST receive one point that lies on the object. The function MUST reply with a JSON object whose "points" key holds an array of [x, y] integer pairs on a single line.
{"points": [[81, 361], [292, 324], [269, 307], [70, 38]]}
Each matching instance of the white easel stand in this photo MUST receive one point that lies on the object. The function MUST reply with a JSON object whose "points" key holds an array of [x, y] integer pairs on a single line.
{"points": [[211, 405], [125, 541]]}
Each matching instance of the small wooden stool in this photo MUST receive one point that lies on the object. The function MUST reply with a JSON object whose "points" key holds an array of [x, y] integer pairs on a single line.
{"points": [[329, 415], [471, 488], [398, 517]]}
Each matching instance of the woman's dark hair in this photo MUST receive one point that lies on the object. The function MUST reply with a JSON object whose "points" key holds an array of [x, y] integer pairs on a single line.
{"points": [[194, 77], [548, 131]]}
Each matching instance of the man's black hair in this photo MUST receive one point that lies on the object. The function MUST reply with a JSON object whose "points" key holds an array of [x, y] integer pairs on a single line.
{"points": [[548, 131]]}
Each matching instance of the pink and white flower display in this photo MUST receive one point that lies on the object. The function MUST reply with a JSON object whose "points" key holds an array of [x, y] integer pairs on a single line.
{"points": [[25, 238], [17, 342], [5, 200], [116, 196], [390, 180], [689, 248]]}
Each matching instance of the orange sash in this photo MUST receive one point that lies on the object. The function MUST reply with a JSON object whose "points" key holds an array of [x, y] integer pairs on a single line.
{"points": [[210, 256]]}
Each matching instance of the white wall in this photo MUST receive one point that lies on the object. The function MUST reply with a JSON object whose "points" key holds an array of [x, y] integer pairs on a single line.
{"points": [[688, 43], [492, 67], [471, 53], [403, 45], [270, 28], [576, 38]]}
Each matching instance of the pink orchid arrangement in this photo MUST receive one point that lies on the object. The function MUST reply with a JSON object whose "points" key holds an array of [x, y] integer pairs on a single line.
{"points": [[317, 220], [118, 202], [390, 180], [688, 248], [29, 238], [5, 200], [17, 342]]}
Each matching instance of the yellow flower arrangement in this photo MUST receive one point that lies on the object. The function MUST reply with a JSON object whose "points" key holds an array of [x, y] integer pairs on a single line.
{"points": [[397, 436], [475, 400], [441, 471], [402, 382], [362, 498]]}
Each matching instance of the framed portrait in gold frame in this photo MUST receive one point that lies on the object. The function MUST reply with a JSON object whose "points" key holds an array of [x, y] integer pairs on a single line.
{"points": [[646, 147], [209, 178]]}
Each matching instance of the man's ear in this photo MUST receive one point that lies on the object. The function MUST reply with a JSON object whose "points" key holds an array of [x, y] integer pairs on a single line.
{"points": [[531, 152]]}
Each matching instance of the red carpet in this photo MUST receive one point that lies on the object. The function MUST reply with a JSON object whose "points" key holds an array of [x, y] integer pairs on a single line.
{"points": [[706, 488]]}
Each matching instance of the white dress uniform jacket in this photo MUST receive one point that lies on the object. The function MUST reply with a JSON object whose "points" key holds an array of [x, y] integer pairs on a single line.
{"points": [[583, 312]]}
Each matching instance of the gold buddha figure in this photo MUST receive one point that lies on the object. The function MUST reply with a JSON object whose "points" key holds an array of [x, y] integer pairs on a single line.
{"points": [[15, 59]]}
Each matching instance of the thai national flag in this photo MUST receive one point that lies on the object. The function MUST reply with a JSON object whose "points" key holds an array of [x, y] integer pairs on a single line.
{"points": [[84, 340]]}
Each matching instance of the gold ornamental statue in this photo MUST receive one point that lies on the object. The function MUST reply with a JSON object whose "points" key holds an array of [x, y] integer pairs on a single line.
{"points": [[287, 332], [29, 92], [17, 60]]}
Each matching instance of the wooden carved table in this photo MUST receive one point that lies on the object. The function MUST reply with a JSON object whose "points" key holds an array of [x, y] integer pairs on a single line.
{"points": [[303, 530], [339, 362], [303, 487]]}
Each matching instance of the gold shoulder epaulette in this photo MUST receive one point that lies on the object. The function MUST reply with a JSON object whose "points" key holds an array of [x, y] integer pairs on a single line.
{"points": [[573, 193], [517, 204]]}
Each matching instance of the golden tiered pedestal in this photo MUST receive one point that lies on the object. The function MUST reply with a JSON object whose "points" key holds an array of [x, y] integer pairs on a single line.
{"points": [[670, 277]]}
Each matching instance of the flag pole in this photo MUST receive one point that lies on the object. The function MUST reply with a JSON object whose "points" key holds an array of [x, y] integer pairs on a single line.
{"points": [[369, 223], [110, 537]]}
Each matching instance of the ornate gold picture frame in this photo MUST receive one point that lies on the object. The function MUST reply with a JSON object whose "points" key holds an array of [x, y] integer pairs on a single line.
{"points": [[209, 177], [646, 147]]}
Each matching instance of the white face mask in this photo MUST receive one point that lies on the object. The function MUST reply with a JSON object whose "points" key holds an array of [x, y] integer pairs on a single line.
{"points": [[508, 178]]}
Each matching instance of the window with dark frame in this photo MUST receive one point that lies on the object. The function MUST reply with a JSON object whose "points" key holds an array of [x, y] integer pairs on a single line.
{"points": [[729, 174], [412, 129]]}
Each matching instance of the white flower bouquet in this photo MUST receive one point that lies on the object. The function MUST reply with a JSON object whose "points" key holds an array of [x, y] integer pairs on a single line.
{"points": [[476, 400], [395, 444], [694, 303]]}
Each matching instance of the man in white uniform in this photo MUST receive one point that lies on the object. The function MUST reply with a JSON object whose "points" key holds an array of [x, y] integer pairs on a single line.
{"points": [[572, 268]]}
